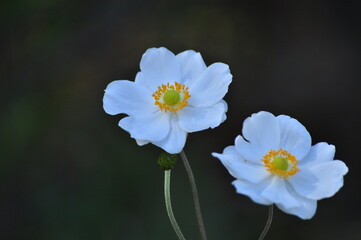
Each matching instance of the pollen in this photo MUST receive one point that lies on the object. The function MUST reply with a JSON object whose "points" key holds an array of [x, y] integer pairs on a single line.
{"points": [[280, 163], [171, 97]]}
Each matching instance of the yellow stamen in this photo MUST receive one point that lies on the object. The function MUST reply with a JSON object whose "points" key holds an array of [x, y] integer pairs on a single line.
{"points": [[280, 163], [162, 100]]}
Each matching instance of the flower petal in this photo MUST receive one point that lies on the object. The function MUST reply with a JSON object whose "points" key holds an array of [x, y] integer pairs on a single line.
{"points": [[303, 182], [249, 151], [193, 119], [294, 136], [320, 152], [306, 211], [210, 87], [252, 190], [320, 176], [239, 168], [329, 179], [175, 140], [141, 80], [278, 193], [224, 116], [141, 142], [151, 127], [192, 65], [263, 133], [124, 96], [159, 66]]}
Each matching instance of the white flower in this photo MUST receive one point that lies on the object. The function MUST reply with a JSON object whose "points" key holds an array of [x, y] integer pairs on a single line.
{"points": [[274, 162], [172, 95]]}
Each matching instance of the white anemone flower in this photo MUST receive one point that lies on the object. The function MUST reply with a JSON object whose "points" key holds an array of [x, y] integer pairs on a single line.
{"points": [[171, 96], [274, 163]]}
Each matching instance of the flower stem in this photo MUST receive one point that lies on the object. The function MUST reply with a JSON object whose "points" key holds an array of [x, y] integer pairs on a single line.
{"points": [[268, 224], [168, 205], [195, 196]]}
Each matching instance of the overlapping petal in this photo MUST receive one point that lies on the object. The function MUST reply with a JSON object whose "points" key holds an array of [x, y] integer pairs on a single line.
{"points": [[278, 193], [224, 115], [210, 87], [304, 182], [320, 152], [306, 210], [175, 140], [141, 142], [294, 137], [252, 190], [248, 150], [159, 66], [151, 127], [262, 132], [124, 96], [329, 179], [142, 81], [239, 168], [193, 119], [192, 65]]}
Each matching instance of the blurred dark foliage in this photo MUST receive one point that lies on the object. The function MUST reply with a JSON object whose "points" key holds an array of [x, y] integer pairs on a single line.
{"points": [[68, 172]]}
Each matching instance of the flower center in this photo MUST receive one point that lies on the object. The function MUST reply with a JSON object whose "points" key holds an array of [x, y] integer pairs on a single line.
{"points": [[280, 163], [171, 97]]}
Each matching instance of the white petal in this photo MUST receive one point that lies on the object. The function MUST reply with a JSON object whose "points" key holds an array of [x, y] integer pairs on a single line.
{"points": [[141, 80], [306, 211], [159, 66], [141, 142], [294, 136], [321, 152], [151, 127], [211, 86], [192, 65], [252, 190], [329, 179], [124, 96], [193, 119], [249, 151], [320, 176], [224, 116], [240, 169], [303, 182], [278, 193], [263, 133], [175, 140]]}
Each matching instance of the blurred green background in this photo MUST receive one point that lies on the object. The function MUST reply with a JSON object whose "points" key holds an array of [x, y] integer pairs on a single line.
{"points": [[69, 172]]}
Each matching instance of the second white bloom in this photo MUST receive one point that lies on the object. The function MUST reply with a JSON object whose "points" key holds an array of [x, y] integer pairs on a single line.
{"points": [[274, 162]]}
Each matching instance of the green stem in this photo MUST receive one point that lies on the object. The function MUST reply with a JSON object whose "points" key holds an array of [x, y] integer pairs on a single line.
{"points": [[268, 224], [168, 205], [195, 196]]}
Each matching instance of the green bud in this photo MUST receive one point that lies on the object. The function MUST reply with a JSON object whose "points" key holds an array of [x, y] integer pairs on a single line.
{"points": [[167, 161], [171, 97]]}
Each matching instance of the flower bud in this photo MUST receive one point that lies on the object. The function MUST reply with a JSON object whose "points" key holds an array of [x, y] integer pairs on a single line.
{"points": [[167, 161]]}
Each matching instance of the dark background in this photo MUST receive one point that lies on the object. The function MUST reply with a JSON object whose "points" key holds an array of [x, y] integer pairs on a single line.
{"points": [[69, 172]]}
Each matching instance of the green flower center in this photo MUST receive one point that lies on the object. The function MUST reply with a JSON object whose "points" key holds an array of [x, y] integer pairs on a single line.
{"points": [[280, 163], [171, 97]]}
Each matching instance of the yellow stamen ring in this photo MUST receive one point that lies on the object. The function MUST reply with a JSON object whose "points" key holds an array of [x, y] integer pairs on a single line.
{"points": [[280, 163], [171, 97]]}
